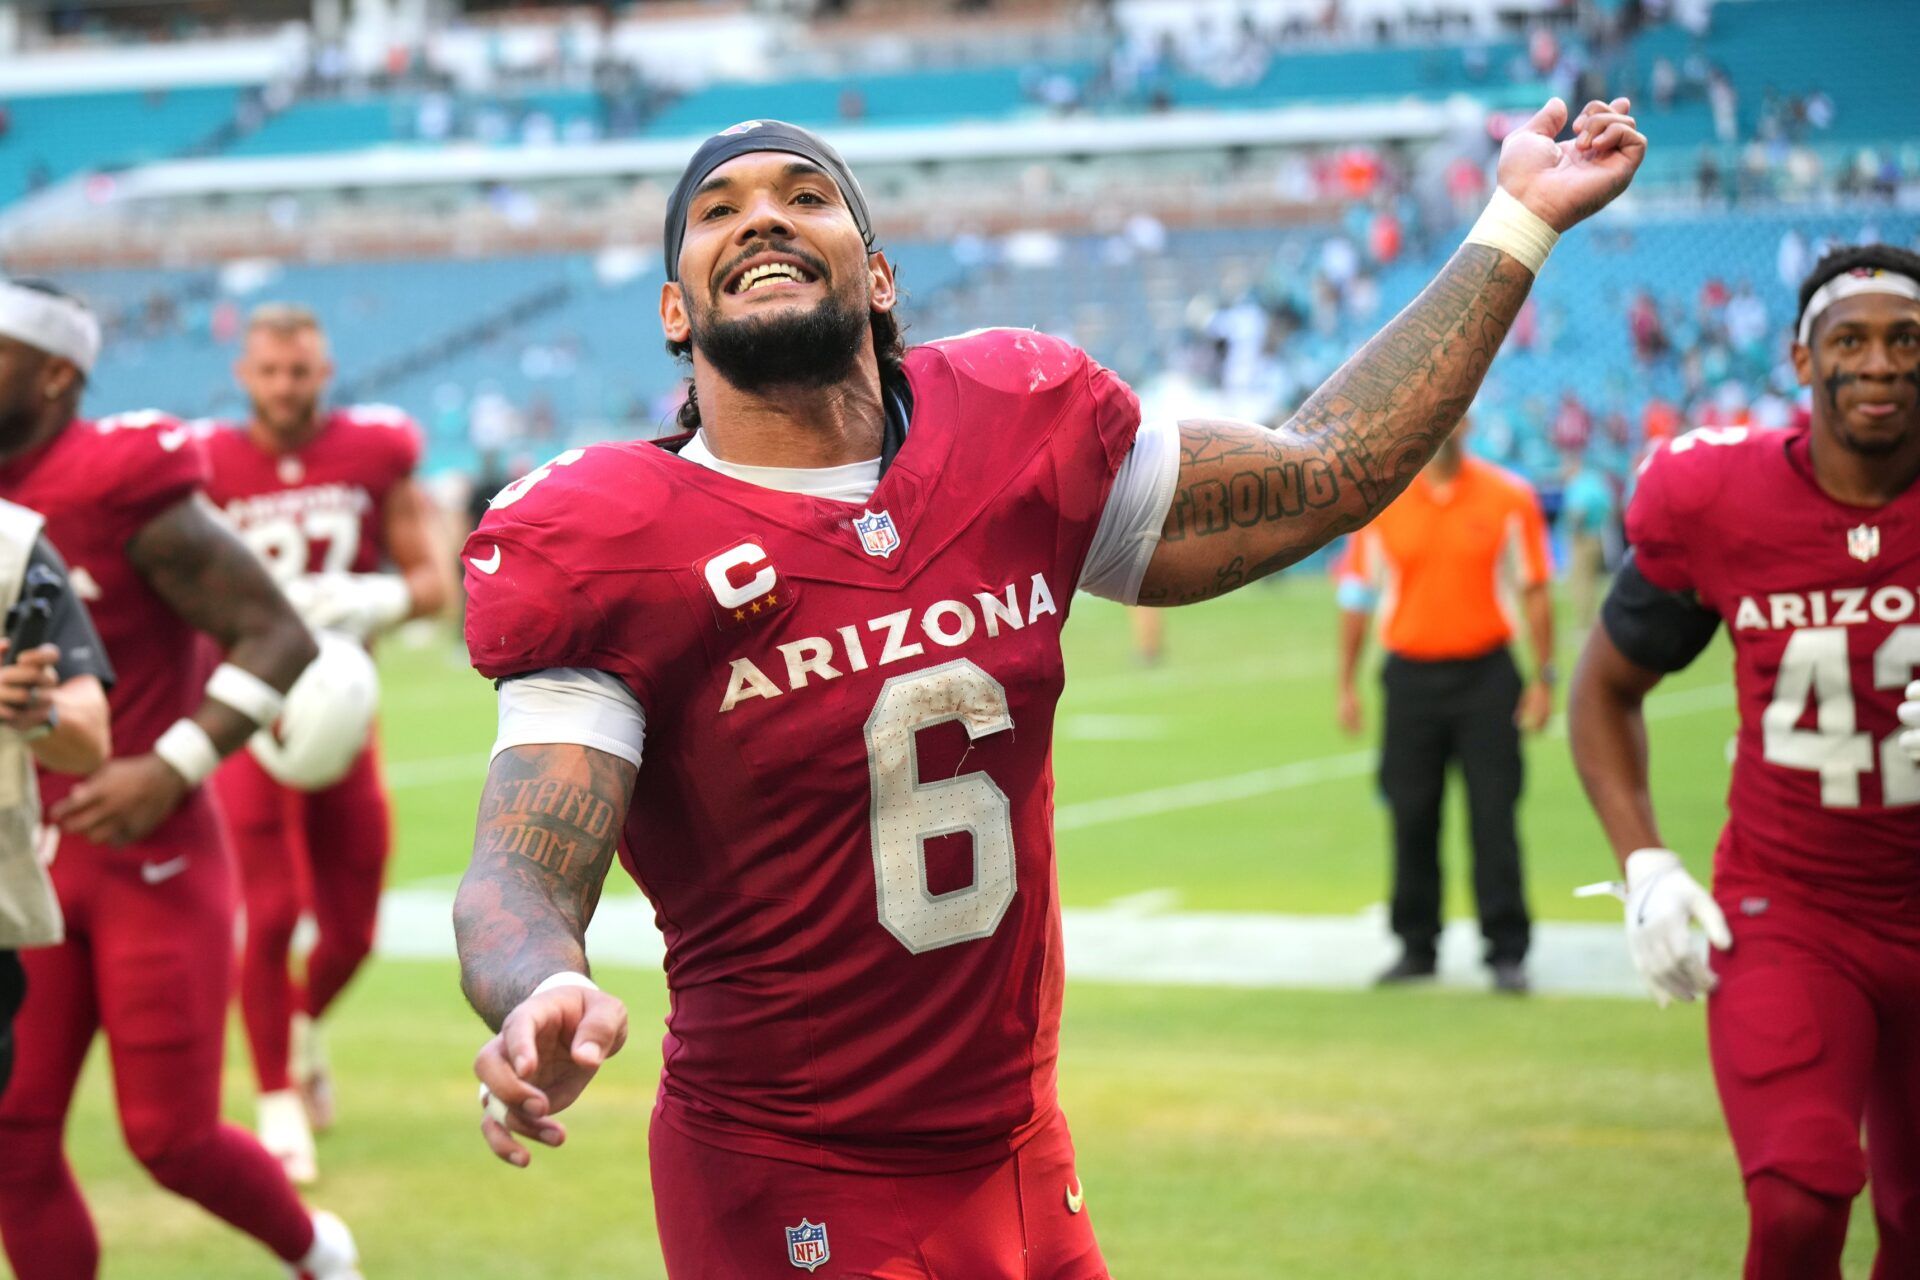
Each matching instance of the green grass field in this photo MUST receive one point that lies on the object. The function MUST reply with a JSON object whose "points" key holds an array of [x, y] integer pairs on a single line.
{"points": [[1221, 1133]]}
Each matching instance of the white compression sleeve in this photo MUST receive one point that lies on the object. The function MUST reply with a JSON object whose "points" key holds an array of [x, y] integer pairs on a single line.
{"points": [[571, 704], [1136, 511]]}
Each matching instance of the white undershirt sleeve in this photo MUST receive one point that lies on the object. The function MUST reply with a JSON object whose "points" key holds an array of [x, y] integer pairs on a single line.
{"points": [[571, 704], [1136, 511]]}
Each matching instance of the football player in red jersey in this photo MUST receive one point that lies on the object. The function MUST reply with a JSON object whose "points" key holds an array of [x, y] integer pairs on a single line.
{"points": [[140, 866], [831, 615], [1806, 544], [326, 496]]}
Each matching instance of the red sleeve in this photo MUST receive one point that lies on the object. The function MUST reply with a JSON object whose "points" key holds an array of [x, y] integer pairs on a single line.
{"points": [[1116, 413], [528, 605], [147, 463], [1655, 524]]}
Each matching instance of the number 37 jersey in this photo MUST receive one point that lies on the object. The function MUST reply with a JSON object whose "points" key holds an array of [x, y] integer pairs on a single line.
{"points": [[843, 817], [1822, 601], [318, 508]]}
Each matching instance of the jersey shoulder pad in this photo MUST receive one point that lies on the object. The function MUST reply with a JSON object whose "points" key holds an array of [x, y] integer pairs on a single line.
{"points": [[380, 415], [1688, 473], [1010, 360], [146, 460]]}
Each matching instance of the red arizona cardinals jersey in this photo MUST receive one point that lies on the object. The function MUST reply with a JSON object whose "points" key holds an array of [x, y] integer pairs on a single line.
{"points": [[316, 509], [1822, 601], [844, 814], [98, 484]]}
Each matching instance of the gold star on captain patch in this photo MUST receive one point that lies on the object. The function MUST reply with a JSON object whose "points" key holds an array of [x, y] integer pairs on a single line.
{"points": [[754, 607], [772, 600], [739, 615]]}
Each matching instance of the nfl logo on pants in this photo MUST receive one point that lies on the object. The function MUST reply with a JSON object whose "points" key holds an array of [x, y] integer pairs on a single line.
{"points": [[807, 1245]]}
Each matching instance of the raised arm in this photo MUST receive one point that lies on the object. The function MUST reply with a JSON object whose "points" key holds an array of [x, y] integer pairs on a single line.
{"points": [[550, 820], [1251, 500]]}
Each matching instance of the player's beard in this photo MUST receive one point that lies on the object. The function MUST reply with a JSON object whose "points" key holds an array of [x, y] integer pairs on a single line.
{"points": [[290, 422], [813, 348]]}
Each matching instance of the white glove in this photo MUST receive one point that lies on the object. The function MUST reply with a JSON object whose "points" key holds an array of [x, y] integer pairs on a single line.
{"points": [[358, 604], [1662, 901], [1910, 717]]}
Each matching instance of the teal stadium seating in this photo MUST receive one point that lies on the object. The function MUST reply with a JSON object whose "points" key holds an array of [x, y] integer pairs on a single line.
{"points": [[63, 134]]}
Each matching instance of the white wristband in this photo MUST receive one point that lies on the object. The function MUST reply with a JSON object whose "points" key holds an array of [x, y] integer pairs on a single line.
{"points": [[246, 693], [186, 747], [565, 978], [1515, 230]]}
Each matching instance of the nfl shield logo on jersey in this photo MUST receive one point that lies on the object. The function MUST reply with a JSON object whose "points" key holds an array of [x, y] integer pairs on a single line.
{"points": [[807, 1245], [878, 537], [1863, 542]]}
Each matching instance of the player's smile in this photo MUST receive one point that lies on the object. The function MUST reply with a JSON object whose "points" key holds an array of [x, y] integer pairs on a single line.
{"points": [[773, 273]]}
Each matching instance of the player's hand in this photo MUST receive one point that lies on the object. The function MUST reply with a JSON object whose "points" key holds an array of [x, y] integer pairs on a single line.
{"points": [[27, 685], [123, 802], [1662, 902], [1352, 720], [547, 1051], [1910, 719], [357, 604], [1566, 182], [1535, 707]]}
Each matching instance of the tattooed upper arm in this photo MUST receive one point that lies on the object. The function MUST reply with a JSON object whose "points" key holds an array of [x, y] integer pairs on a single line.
{"points": [[1251, 500], [549, 825]]}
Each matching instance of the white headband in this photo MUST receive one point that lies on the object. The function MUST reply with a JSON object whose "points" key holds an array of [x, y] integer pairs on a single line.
{"points": [[58, 326], [1852, 285]]}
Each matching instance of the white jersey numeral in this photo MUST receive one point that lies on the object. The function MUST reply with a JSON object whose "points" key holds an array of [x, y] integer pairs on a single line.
{"points": [[518, 489], [286, 542], [908, 812], [1894, 664], [1815, 665]]}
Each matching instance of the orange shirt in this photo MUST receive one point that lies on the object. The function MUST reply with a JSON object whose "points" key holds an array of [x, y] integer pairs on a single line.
{"points": [[1441, 557]]}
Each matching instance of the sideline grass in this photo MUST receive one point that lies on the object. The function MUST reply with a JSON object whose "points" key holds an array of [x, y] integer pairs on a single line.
{"points": [[1223, 1134]]}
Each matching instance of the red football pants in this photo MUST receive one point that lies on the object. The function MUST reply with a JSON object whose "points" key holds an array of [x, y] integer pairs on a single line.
{"points": [[723, 1215], [1815, 1029], [149, 960], [324, 851]]}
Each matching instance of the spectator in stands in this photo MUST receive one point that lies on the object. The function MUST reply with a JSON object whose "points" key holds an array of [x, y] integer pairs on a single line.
{"points": [[1452, 690], [1645, 328], [1572, 424]]}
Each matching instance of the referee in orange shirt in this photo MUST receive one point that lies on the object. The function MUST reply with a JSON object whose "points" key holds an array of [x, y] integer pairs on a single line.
{"points": [[1435, 567]]}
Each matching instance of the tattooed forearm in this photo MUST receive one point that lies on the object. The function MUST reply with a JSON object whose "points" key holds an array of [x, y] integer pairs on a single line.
{"points": [[1258, 500], [206, 575], [550, 821]]}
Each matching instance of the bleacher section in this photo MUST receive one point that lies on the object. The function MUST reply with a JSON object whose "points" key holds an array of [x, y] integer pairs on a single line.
{"points": [[51, 137], [592, 350]]}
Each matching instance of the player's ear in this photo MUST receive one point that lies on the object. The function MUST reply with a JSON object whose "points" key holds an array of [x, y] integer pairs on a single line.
{"points": [[1803, 363], [58, 378], [882, 293], [673, 313]]}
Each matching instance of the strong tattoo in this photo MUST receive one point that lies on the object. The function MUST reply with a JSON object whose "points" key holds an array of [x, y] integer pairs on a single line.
{"points": [[1275, 496], [549, 824]]}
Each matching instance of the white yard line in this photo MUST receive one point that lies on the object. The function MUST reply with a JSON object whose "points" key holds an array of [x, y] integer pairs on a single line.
{"points": [[1124, 943]]}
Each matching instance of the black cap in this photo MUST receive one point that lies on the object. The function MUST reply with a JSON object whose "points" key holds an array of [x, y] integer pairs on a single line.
{"points": [[759, 135]]}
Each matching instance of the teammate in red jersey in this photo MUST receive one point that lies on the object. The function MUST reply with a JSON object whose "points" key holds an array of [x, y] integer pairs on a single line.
{"points": [[832, 619], [140, 867], [1806, 544], [327, 497]]}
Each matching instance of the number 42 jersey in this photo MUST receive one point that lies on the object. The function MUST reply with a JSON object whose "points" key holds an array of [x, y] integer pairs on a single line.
{"points": [[843, 818], [1822, 601]]}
